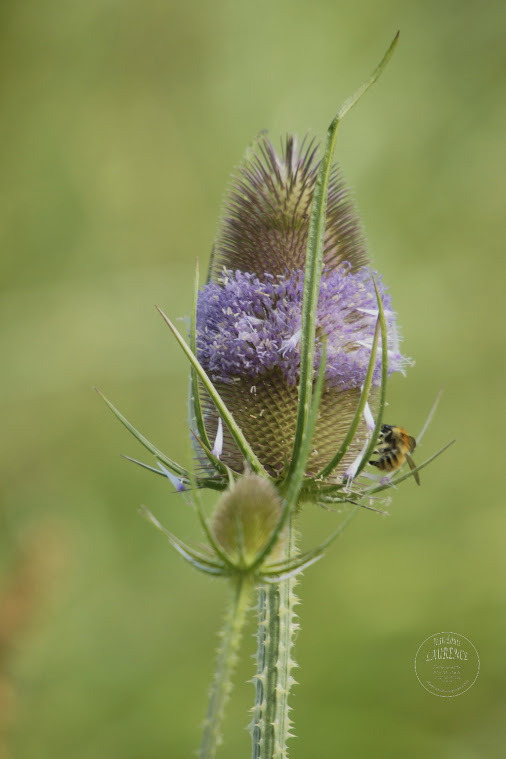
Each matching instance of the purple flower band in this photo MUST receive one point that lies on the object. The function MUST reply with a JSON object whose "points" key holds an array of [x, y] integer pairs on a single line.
{"points": [[248, 327]]}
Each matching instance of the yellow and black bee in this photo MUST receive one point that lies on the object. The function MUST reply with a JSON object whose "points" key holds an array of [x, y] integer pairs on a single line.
{"points": [[395, 447]]}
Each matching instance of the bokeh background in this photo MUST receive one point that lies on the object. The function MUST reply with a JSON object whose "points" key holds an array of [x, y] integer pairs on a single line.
{"points": [[120, 125]]}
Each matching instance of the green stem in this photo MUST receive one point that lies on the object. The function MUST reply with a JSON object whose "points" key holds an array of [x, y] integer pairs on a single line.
{"points": [[270, 727], [230, 639]]}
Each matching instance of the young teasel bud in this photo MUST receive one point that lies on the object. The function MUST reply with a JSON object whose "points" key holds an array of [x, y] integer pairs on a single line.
{"points": [[249, 312], [245, 518]]}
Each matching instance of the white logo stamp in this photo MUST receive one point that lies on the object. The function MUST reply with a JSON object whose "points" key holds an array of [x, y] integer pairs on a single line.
{"points": [[447, 664]]}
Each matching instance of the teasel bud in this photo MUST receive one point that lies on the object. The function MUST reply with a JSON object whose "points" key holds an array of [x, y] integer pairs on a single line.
{"points": [[248, 325], [245, 518]]}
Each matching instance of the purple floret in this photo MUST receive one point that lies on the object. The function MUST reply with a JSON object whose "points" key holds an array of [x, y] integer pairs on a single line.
{"points": [[247, 327]]}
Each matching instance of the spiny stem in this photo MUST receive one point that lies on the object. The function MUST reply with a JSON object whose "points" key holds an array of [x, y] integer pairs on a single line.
{"points": [[225, 664], [270, 727]]}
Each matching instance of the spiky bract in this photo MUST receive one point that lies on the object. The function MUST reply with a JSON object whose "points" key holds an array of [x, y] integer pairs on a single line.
{"points": [[266, 216]]}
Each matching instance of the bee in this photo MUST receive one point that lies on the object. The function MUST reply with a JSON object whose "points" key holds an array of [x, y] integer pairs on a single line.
{"points": [[395, 447]]}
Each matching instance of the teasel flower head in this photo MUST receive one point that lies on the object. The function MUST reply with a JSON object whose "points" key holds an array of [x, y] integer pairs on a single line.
{"points": [[249, 313]]}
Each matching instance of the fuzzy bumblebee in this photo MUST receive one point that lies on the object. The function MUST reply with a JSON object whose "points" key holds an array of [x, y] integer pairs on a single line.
{"points": [[395, 447]]}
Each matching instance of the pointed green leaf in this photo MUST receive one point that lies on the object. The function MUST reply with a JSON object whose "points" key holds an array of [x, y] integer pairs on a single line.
{"points": [[223, 411], [198, 483], [176, 468], [333, 536], [314, 262], [307, 438], [208, 532], [286, 565], [144, 466], [295, 570], [191, 555], [307, 558], [353, 99]]}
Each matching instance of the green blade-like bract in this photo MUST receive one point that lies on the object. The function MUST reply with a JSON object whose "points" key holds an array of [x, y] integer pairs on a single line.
{"points": [[221, 408], [314, 262], [174, 466]]}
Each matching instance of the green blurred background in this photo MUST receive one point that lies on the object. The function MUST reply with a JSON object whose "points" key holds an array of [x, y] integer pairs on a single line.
{"points": [[120, 125]]}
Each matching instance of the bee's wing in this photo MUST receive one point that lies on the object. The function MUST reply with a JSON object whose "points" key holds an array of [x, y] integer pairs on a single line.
{"points": [[411, 443], [412, 466]]}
